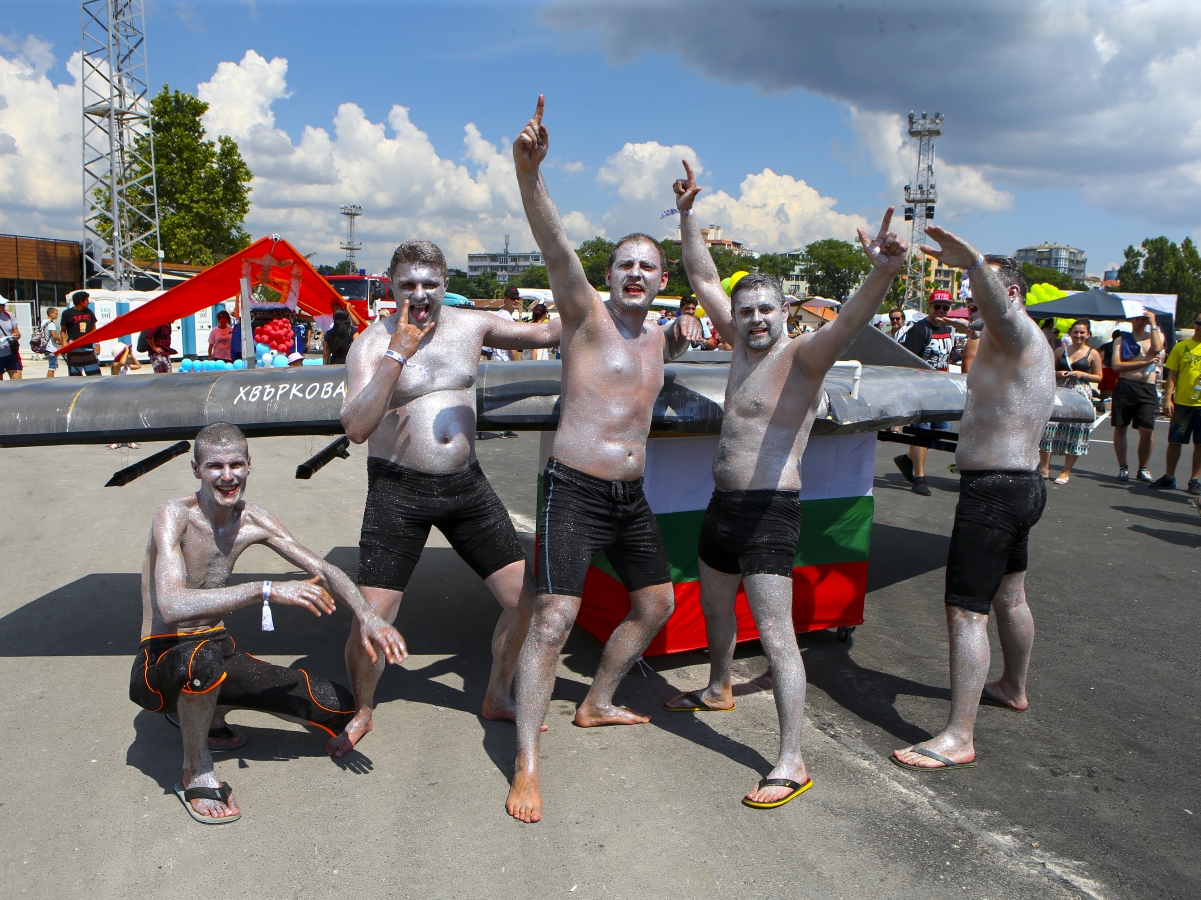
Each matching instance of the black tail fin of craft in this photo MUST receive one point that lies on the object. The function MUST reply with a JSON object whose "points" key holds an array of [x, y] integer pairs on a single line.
{"points": [[138, 469], [338, 449]]}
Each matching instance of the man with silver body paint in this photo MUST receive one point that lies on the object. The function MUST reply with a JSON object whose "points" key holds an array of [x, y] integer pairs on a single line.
{"points": [[187, 664], [1010, 394], [752, 525], [593, 498], [411, 396]]}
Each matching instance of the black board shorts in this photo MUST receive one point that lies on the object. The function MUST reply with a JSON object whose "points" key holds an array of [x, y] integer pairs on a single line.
{"points": [[170, 665], [991, 534], [1134, 403], [403, 504], [582, 515], [751, 532]]}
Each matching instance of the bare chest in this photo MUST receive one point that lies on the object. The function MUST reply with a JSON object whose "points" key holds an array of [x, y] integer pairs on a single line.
{"points": [[209, 555], [767, 390], [447, 366]]}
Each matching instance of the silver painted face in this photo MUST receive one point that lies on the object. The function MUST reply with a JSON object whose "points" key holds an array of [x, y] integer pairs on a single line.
{"points": [[760, 317], [637, 275], [223, 471], [424, 286]]}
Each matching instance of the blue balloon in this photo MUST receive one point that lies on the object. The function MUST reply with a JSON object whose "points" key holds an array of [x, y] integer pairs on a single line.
{"points": [[239, 364], [280, 361], [208, 365], [260, 349], [185, 365]]}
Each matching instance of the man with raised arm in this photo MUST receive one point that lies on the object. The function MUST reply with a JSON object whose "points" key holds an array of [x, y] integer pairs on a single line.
{"points": [[592, 487], [187, 665], [411, 395], [750, 530], [1010, 392]]}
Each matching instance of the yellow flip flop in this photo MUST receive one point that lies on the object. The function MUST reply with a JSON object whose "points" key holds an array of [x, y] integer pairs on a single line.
{"points": [[797, 790], [696, 704]]}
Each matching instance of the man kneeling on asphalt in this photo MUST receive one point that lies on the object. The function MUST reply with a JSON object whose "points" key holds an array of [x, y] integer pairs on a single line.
{"points": [[188, 666]]}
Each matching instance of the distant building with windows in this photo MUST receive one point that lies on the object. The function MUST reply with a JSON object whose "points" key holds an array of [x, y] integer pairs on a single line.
{"points": [[712, 237], [794, 282], [1060, 257], [503, 264]]}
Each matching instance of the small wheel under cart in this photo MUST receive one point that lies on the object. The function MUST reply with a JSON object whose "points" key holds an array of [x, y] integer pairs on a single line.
{"points": [[845, 631]]}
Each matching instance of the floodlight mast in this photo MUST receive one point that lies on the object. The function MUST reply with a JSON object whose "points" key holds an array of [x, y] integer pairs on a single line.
{"points": [[120, 192], [351, 211], [920, 199]]}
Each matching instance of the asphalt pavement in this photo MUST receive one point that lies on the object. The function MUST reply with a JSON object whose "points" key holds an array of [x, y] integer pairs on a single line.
{"points": [[1093, 792]]}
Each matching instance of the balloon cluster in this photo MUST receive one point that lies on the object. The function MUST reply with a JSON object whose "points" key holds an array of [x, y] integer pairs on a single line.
{"points": [[210, 365], [1041, 293], [727, 284], [277, 334]]}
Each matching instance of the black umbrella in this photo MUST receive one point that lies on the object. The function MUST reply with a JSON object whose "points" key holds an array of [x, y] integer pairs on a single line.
{"points": [[1094, 304]]}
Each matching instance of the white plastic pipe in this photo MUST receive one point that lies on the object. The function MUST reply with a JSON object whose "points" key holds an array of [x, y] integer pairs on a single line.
{"points": [[856, 368]]}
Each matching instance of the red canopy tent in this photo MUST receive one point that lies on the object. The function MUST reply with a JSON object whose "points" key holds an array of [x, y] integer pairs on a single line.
{"points": [[269, 261]]}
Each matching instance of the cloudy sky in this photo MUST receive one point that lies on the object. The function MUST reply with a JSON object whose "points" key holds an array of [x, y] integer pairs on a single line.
{"points": [[1076, 122]]}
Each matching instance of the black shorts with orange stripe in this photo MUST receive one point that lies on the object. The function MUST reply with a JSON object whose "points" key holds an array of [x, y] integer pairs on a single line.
{"points": [[168, 665]]}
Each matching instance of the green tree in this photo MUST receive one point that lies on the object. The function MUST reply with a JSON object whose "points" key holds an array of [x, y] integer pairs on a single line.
{"points": [[533, 277], [458, 282], [594, 255], [1046, 275], [833, 268], [344, 267], [203, 186], [1159, 266]]}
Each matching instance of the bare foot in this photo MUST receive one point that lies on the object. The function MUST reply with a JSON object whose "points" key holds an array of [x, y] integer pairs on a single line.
{"points": [[590, 717], [778, 792], [212, 808], [954, 754], [359, 726], [998, 693], [685, 701], [525, 800], [504, 711]]}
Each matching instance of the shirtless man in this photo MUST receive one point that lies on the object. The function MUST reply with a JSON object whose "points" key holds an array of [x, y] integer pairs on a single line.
{"points": [[751, 527], [1010, 392], [593, 498], [410, 382], [186, 651], [1135, 398]]}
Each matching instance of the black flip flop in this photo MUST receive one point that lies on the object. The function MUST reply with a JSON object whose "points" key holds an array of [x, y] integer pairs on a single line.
{"points": [[221, 795], [698, 705], [224, 733], [987, 699], [794, 787], [937, 757]]}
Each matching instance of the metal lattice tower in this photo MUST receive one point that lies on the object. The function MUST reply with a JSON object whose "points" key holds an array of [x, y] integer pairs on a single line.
{"points": [[352, 211], [920, 198], [120, 195]]}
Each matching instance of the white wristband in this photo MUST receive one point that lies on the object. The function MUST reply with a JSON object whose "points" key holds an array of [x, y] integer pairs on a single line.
{"points": [[977, 264], [392, 354], [266, 591]]}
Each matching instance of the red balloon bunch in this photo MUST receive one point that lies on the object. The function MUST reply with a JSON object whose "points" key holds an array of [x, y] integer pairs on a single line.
{"points": [[276, 334]]}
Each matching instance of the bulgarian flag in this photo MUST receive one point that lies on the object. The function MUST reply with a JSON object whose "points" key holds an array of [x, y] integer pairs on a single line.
{"points": [[830, 566]]}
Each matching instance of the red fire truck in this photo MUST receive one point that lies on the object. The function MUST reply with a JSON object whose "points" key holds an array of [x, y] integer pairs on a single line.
{"points": [[363, 293]]}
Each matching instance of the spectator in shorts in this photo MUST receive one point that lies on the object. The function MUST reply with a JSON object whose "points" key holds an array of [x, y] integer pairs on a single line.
{"points": [[10, 334], [932, 339], [1135, 400], [76, 322], [159, 340], [1077, 368], [53, 340], [1182, 401]]}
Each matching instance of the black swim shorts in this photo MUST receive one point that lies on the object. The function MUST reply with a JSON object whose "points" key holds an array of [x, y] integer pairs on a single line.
{"points": [[751, 532], [1134, 403], [989, 540], [169, 665], [402, 505], [582, 515]]}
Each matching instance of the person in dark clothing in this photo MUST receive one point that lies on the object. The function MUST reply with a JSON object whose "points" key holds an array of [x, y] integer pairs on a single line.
{"points": [[338, 339], [75, 323]]}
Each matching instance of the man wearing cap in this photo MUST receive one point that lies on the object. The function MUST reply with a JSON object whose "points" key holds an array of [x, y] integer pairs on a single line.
{"points": [[932, 339], [10, 335], [75, 323]]}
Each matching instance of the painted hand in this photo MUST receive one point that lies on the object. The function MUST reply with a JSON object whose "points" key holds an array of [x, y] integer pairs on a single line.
{"points": [[688, 328], [375, 632], [306, 594], [685, 188], [408, 337], [952, 250], [886, 251], [529, 148]]}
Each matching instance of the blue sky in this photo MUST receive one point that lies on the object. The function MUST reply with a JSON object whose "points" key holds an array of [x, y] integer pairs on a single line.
{"points": [[454, 63]]}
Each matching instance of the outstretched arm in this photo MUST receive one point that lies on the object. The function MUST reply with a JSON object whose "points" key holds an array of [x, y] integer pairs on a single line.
{"points": [[179, 603], [573, 293], [374, 630], [698, 264], [371, 376], [886, 252], [1003, 318], [510, 335]]}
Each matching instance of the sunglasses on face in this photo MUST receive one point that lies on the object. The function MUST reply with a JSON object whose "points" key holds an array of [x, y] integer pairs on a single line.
{"points": [[941, 308]]}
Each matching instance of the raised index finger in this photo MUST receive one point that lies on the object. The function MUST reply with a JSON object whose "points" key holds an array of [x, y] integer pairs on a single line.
{"points": [[887, 221], [538, 111], [688, 169], [404, 312]]}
